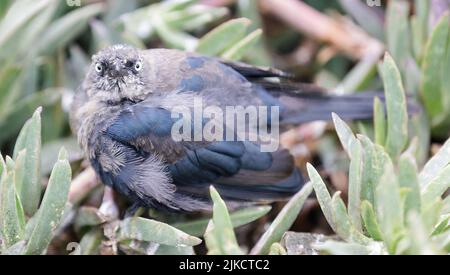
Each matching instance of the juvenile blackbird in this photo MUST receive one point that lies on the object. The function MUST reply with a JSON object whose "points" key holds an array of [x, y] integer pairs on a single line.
{"points": [[123, 117]]}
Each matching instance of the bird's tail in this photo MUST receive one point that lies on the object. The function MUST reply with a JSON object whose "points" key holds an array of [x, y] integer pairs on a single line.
{"points": [[307, 106]]}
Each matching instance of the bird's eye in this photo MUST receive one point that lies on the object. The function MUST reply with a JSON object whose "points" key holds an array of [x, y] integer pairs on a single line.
{"points": [[98, 67], [138, 66]]}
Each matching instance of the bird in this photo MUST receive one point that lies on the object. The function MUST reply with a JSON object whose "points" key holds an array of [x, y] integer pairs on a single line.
{"points": [[123, 117]]}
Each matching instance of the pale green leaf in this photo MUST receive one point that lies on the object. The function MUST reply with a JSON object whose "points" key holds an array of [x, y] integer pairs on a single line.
{"points": [[174, 38], [88, 216], [146, 230], [52, 207], [223, 37], [373, 166], [174, 250], [407, 178], [419, 26], [432, 69], [355, 184], [344, 133], [283, 221], [370, 221], [430, 215], [219, 235], [66, 28], [397, 115], [240, 217], [18, 15], [28, 184], [237, 51], [379, 121], [437, 187], [417, 237], [322, 194], [398, 31], [11, 223], [341, 248], [91, 241], [12, 121], [344, 227], [389, 208], [442, 226], [435, 165]]}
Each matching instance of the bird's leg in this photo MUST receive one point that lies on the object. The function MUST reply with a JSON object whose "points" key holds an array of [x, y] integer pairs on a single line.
{"points": [[109, 208]]}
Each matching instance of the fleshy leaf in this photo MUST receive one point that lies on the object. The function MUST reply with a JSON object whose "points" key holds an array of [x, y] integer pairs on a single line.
{"points": [[223, 37], [219, 235], [397, 115], [146, 230], [283, 221], [52, 208]]}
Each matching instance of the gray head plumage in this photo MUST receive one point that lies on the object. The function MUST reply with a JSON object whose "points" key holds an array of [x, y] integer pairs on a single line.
{"points": [[116, 73]]}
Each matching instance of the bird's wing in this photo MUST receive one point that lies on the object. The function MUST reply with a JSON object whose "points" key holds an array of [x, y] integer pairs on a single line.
{"points": [[252, 71], [303, 102], [237, 168]]}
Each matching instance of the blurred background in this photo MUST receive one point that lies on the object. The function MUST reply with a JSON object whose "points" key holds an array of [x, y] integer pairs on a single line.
{"points": [[46, 46]]}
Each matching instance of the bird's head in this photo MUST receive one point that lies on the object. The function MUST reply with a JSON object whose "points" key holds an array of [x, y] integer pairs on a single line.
{"points": [[117, 73]]}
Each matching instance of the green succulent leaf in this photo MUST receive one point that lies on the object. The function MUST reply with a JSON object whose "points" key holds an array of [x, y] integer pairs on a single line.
{"points": [[283, 221], [66, 28], [398, 30], [379, 122], [417, 237], [435, 165], [88, 216], [434, 74], [11, 213], [344, 133], [430, 215], [13, 119], [389, 208], [397, 115], [2, 166], [52, 207], [342, 248], [146, 230], [355, 184], [323, 196], [442, 226], [344, 227], [9, 75], [219, 236], [21, 12], [437, 187], [174, 250], [174, 38], [372, 169], [240, 217], [223, 37], [90, 243], [237, 51], [28, 180], [370, 221], [408, 179], [419, 27]]}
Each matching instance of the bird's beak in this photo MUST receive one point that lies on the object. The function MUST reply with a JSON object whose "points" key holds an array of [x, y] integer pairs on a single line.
{"points": [[117, 71]]}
